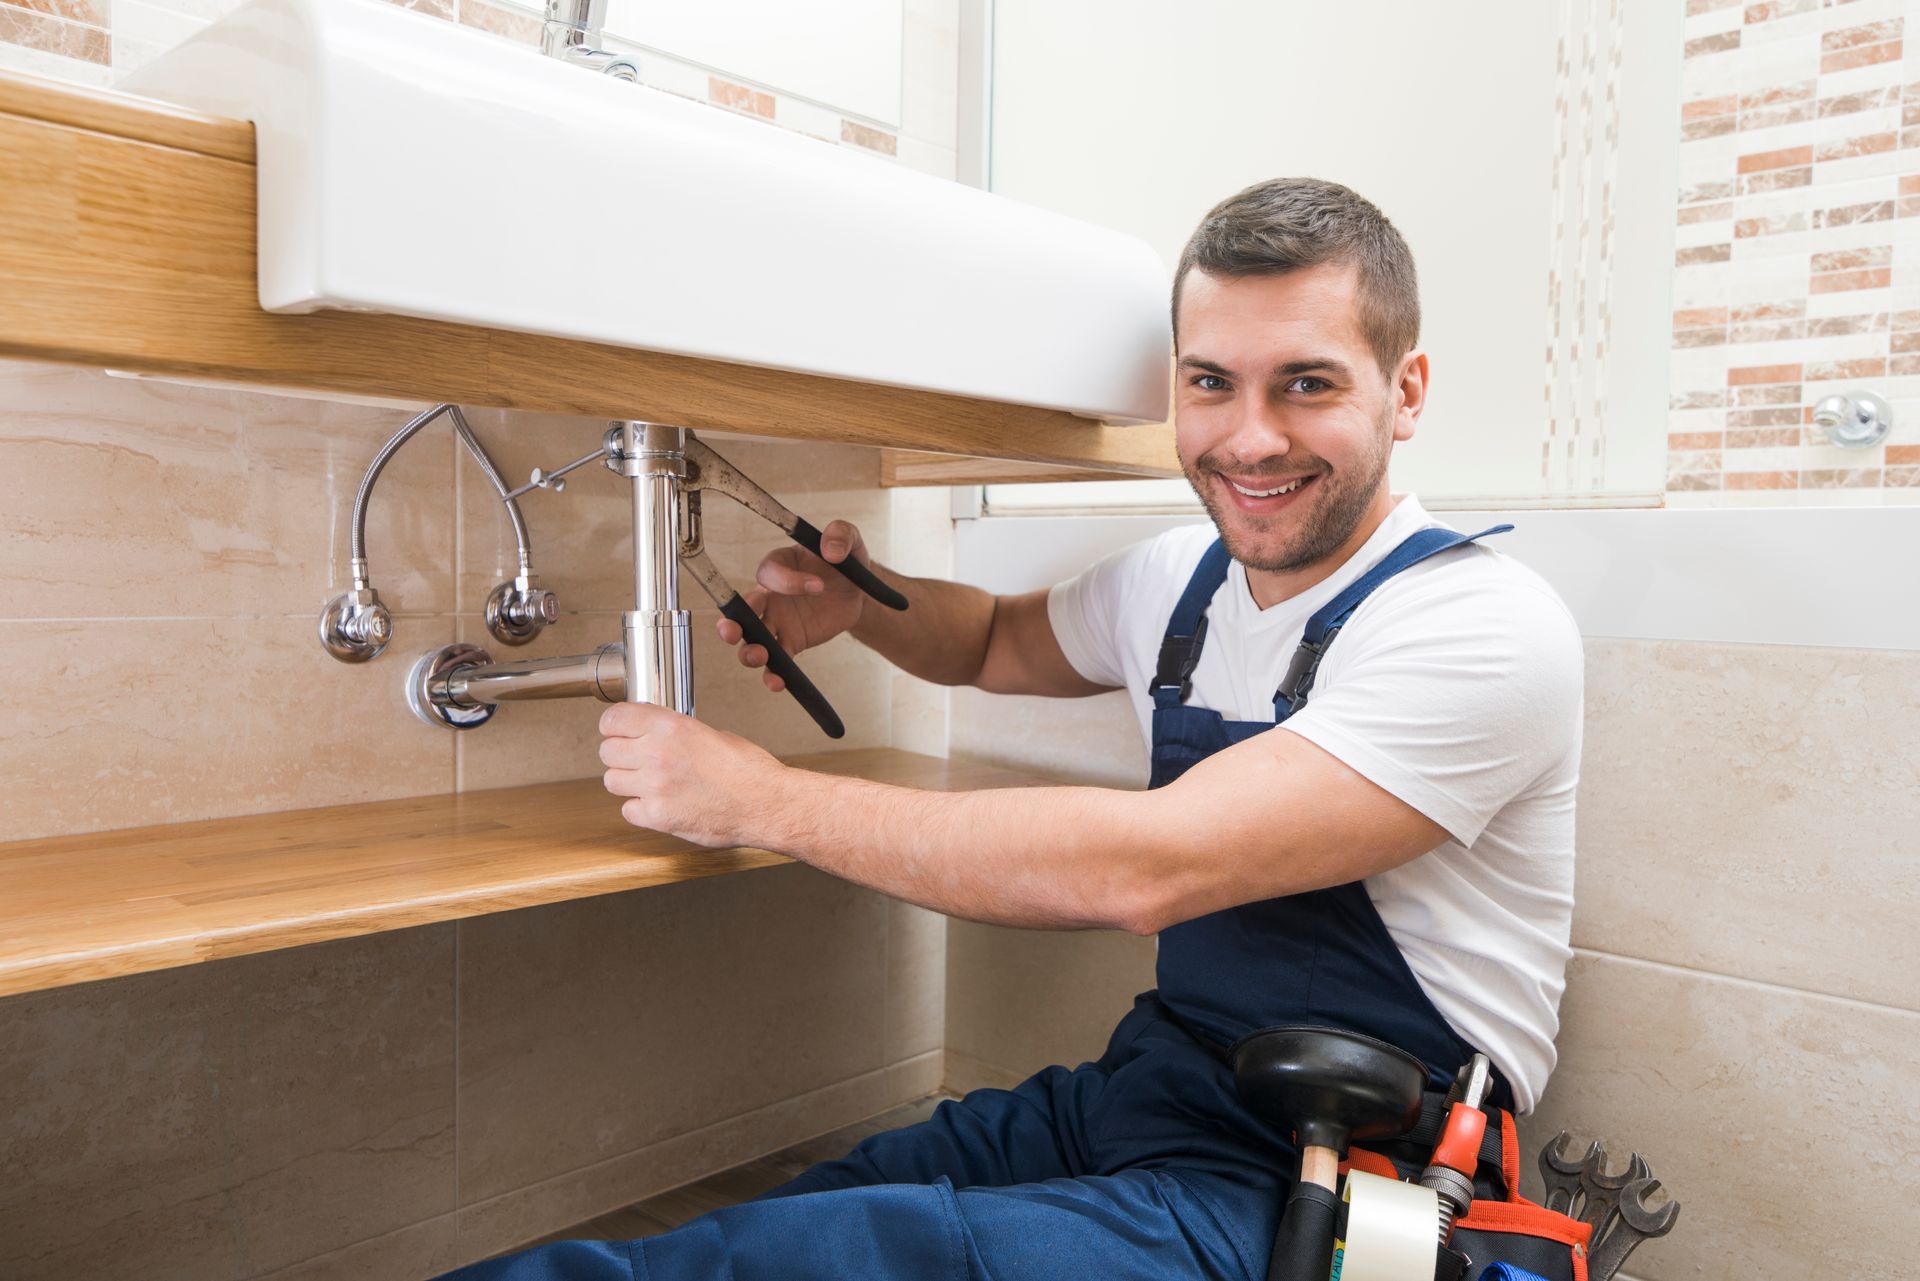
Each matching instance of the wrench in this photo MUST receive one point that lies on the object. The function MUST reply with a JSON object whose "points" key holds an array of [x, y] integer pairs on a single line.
{"points": [[1635, 1222], [1562, 1176], [1603, 1190]]}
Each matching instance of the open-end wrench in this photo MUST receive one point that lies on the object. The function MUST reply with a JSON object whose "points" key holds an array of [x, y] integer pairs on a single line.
{"points": [[1561, 1175], [1602, 1190], [1635, 1221]]}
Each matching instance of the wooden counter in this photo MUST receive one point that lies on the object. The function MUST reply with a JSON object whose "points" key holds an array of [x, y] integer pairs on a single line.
{"points": [[127, 242], [78, 908]]}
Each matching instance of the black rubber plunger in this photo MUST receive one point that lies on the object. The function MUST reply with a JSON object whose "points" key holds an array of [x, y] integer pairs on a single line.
{"points": [[1329, 1087]]}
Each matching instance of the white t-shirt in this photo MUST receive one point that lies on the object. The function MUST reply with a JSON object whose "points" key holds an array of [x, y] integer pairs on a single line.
{"points": [[1456, 686]]}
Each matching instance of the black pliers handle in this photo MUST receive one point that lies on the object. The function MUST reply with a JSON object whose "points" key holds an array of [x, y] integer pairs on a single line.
{"points": [[707, 470]]}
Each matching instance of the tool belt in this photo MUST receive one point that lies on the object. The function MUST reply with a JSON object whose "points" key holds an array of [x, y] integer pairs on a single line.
{"points": [[1501, 1227]]}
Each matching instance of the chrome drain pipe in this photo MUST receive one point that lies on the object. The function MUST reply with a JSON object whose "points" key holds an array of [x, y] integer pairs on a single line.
{"points": [[659, 634]]}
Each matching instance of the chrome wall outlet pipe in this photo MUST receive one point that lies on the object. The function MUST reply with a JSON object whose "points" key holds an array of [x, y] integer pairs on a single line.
{"points": [[601, 674], [459, 685], [658, 633]]}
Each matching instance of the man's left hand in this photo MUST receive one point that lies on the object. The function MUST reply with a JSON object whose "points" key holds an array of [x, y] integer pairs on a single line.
{"points": [[687, 778]]}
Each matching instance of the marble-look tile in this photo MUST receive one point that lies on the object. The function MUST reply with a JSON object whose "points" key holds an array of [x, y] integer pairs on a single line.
{"points": [[425, 1249], [117, 723], [228, 1119], [589, 1030], [144, 498], [527, 1214], [919, 715], [1754, 810], [1095, 741], [1741, 1095], [854, 679], [923, 538], [915, 1016], [1021, 999]]}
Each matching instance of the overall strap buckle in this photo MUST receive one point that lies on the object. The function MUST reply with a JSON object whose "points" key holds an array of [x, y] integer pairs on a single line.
{"points": [[1179, 656], [1297, 684]]}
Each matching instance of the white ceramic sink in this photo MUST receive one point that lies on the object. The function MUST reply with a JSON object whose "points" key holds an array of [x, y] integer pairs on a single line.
{"points": [[413, 166]]}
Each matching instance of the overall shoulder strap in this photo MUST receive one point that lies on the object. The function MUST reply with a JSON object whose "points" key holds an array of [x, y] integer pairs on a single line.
{"points": [[1332, 616], [1187, 630]]}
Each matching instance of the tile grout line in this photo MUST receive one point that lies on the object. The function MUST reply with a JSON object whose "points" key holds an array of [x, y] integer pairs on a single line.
{"points": [[1762, 985]]}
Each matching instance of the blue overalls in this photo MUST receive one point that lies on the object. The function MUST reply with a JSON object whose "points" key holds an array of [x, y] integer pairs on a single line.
{"points": [[1140, 1165]]}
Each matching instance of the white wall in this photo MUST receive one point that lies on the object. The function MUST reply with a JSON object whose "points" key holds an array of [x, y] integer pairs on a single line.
{"points": [[1142, 115]]}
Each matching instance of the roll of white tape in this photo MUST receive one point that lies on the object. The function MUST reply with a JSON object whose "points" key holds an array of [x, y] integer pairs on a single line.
{"points": [[1392, 1230]]}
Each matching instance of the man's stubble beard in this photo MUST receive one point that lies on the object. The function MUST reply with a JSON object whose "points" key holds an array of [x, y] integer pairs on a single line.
{"points": [[1338, 503]]}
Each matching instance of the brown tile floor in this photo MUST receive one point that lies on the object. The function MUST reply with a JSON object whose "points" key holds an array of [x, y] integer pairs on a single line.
{"points": [[741, 1183]]}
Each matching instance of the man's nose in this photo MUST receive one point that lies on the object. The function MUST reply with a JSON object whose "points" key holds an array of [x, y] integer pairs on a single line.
{"points": [[1258, 432]]}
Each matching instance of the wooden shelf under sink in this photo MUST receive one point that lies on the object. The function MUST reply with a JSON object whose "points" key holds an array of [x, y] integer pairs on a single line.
{"points": [[78, 908], [127, 242]]}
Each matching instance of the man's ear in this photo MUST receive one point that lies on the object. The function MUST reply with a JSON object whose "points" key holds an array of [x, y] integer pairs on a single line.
{"points": [[1410, 393]]}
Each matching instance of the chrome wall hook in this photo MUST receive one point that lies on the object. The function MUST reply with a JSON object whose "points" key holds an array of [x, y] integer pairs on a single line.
{"points": [[1855, 419]]}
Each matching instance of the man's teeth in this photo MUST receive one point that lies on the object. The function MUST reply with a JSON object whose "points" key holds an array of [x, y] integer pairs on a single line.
{"points": [[1287, 488]]}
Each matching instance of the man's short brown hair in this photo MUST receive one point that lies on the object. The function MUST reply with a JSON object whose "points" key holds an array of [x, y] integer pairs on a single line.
{"points": [[1286, 224]]}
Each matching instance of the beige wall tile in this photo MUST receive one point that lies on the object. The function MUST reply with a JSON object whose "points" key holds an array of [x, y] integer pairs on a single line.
{"points": [[916, 982], [231, 1118], [1086, 740], [419, 1250], [119, 724], [532, 1212], [1754, 810], [853, 678], [919, 715], [1022, 999], [1746, 1099], [922, 518], [136, 497], [589, 1030]]}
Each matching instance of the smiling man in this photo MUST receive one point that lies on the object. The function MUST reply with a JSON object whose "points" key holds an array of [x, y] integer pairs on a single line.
{"points": [[1365, 733]]}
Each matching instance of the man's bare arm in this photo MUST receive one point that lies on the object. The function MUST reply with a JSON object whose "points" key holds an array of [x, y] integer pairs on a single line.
{"points": [[1270, 816], [950, 633]]}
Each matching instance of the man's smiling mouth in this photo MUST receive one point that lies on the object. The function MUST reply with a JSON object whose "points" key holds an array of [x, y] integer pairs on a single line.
{"points": [[1275, 491]]}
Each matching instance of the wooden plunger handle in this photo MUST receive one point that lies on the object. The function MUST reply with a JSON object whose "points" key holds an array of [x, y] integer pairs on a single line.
{"points": [[1320, 1165]]}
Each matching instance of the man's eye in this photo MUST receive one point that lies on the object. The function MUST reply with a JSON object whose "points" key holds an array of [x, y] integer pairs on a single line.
{"points": [[1210, 382], [1311, 386]]}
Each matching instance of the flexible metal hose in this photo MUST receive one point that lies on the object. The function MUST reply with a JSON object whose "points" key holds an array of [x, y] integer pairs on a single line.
{"points": [[464, 432]]}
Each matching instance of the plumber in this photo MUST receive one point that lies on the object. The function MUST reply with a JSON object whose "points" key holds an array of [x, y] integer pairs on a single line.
{"points": [[1365, 735]]}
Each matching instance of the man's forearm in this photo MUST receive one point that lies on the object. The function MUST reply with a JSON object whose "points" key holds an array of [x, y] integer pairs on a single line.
{"points": [[941, 637], [1042, 858]]}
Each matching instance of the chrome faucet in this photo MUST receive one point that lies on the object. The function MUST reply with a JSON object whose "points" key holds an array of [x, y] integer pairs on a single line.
{"points": [[572, 34]]}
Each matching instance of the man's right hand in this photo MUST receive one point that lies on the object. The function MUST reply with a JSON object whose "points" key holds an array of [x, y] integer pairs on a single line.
{"points": [[804, 600]]}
